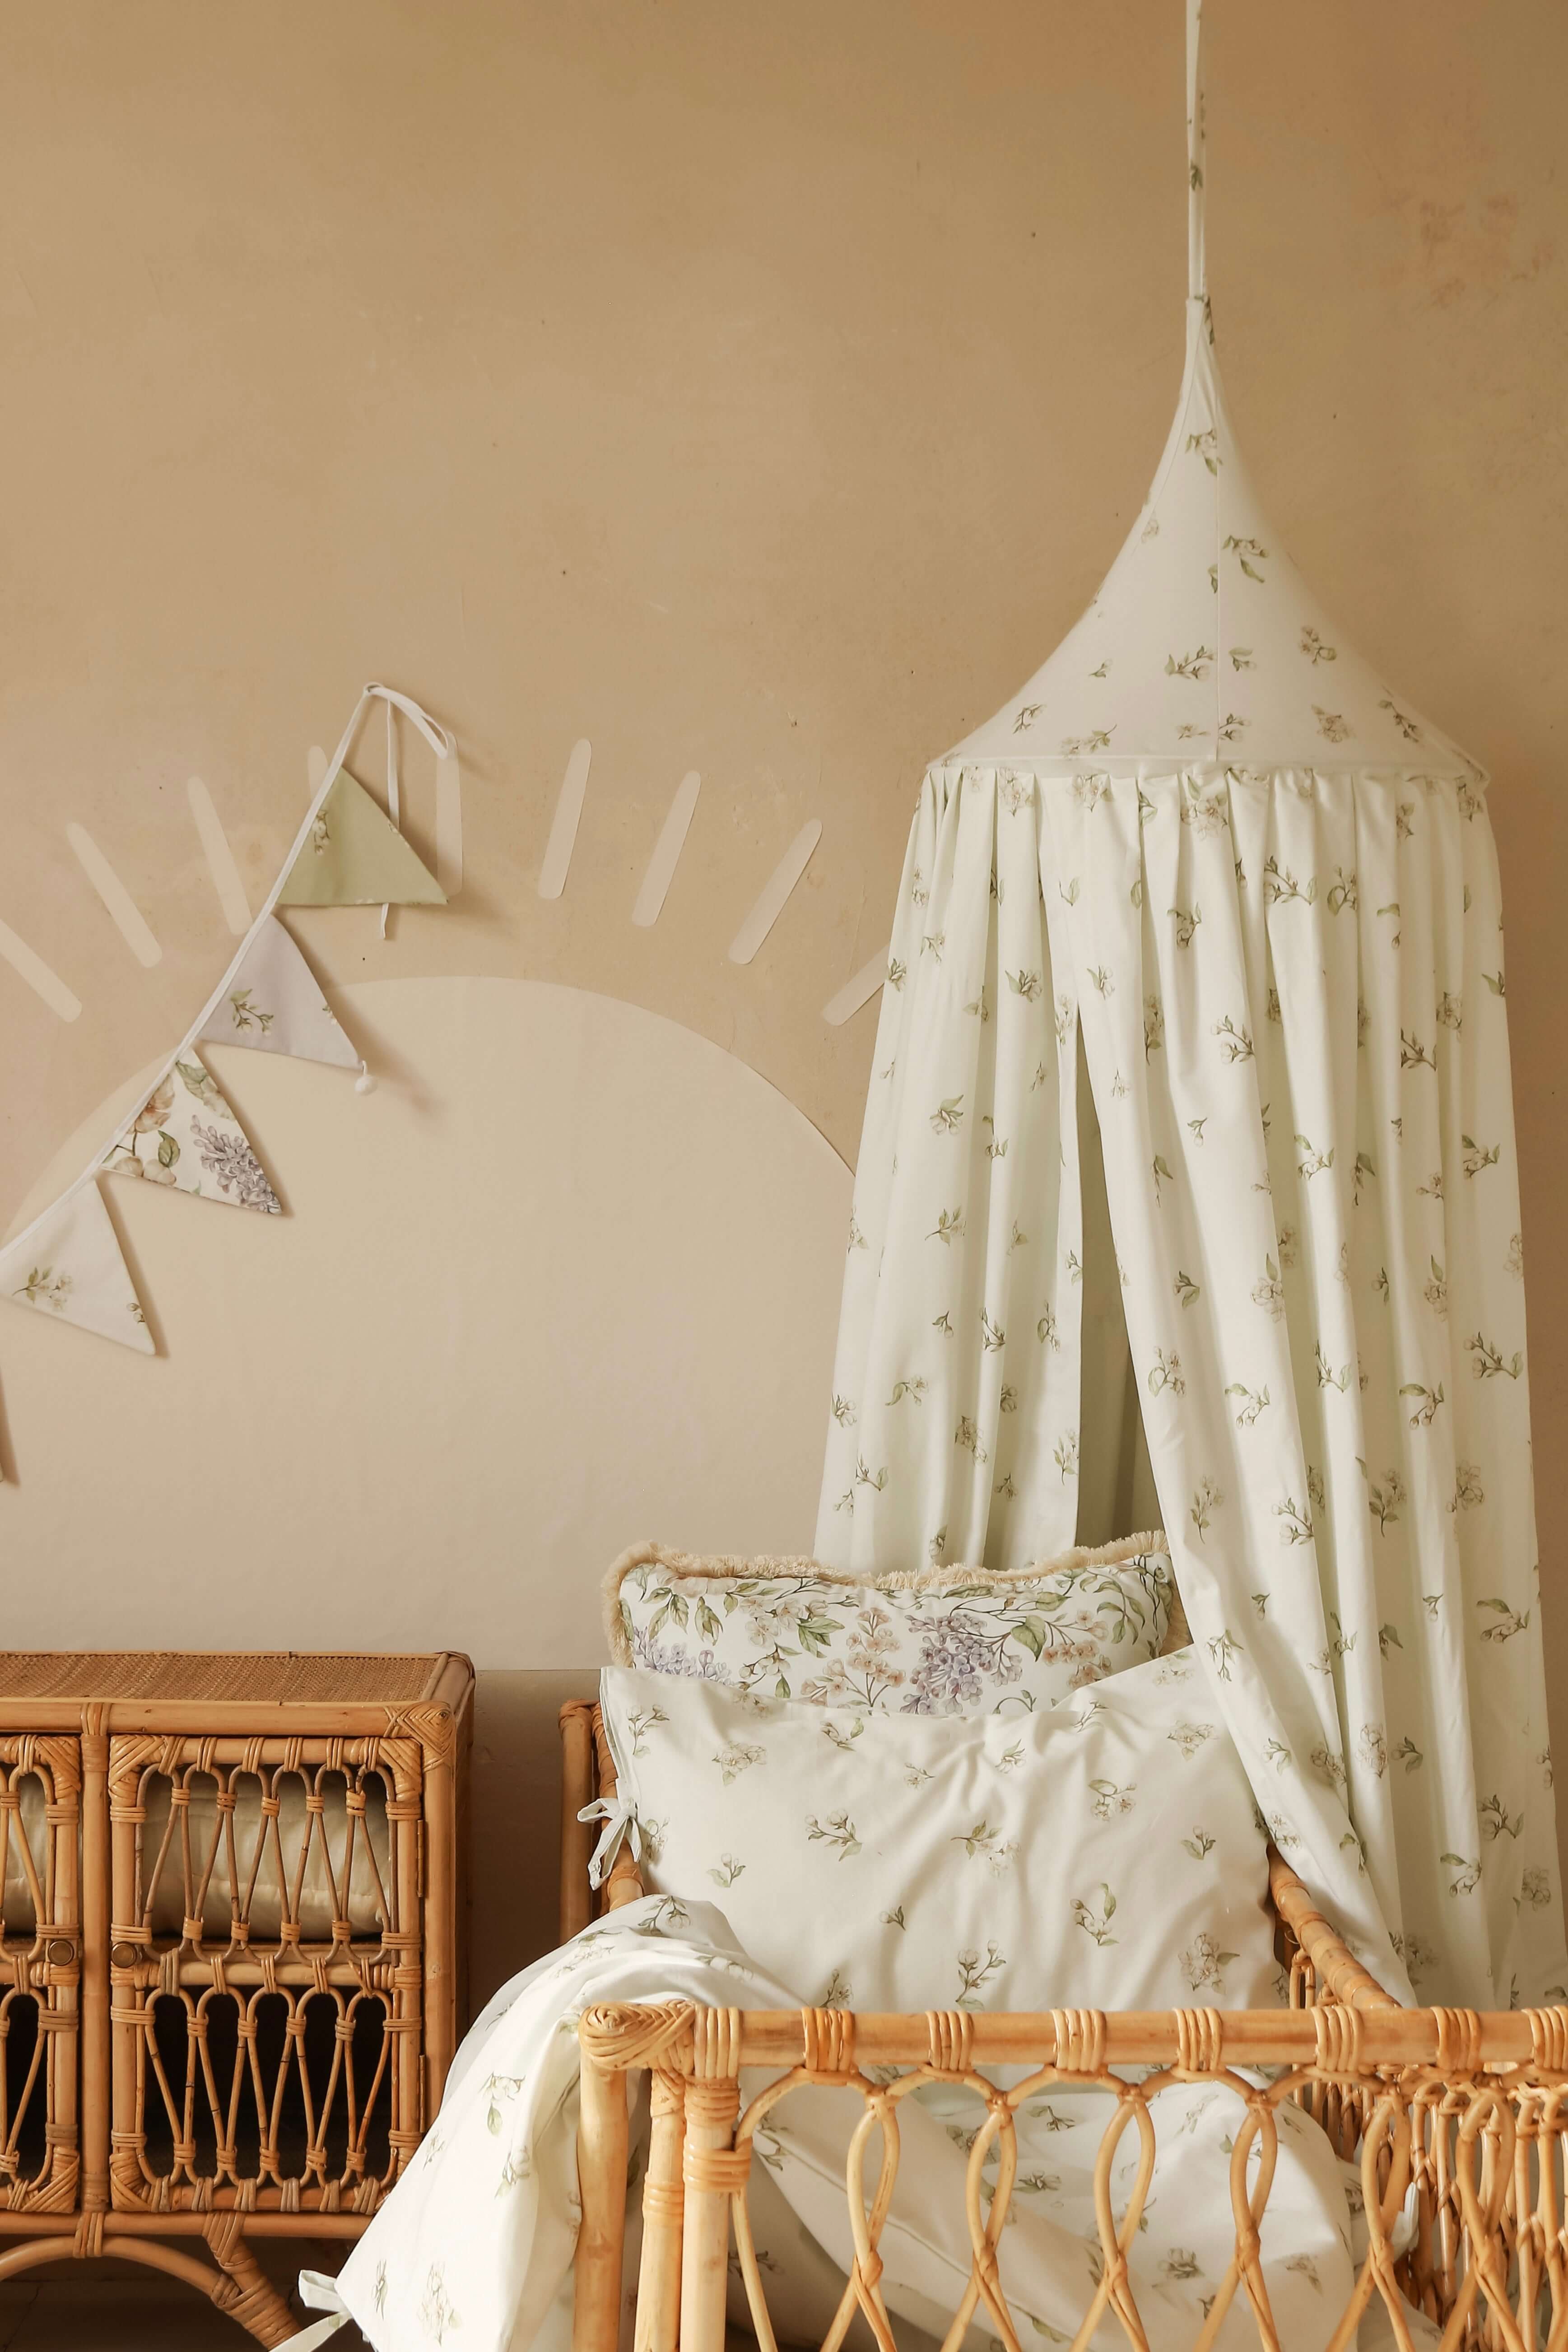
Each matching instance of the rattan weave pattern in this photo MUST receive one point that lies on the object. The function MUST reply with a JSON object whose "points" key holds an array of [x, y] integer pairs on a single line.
{"points": [[40, 1974], [232, 1890], [263, 2059], [1458, 2124], [279, 1677]]}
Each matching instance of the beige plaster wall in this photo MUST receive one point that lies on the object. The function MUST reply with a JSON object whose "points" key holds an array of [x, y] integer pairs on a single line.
{"points": [[752, 389]]}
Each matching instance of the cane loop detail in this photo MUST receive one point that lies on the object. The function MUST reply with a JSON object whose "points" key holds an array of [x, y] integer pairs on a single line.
{"points": [[1200, 2041], [829, 2038], [950, 2033], [1080, 2040]]}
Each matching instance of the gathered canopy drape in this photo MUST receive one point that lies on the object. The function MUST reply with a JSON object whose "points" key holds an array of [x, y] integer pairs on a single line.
{"points": [[1288, 986], [1207, 845]]}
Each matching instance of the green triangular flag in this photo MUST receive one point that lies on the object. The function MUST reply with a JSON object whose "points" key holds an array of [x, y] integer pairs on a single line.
{"points": [[356, 856]]}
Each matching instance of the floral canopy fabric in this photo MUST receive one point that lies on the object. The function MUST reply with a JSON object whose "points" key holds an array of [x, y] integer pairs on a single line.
{"points": [[1208, 850]]}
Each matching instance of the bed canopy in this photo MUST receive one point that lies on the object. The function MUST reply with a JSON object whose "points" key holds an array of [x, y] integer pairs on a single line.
{"points": [[1208, 851]]}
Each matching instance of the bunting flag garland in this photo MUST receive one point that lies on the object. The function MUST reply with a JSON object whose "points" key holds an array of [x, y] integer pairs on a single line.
{"points": [[356, 856], [185, 1136], [67, 1263], [273, 1003]]}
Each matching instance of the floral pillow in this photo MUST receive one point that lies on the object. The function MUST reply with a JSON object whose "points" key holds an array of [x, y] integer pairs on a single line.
{"points": [[940, 1642], [1103, 1851]]}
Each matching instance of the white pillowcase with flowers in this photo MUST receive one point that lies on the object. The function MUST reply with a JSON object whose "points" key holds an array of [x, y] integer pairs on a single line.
{"points": [[1102, 1851], [933, 1642]]}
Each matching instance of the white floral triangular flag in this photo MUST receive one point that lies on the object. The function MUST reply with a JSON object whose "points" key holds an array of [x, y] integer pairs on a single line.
{"points": [[186, 1136], [274, 1003], [70, 1266]]}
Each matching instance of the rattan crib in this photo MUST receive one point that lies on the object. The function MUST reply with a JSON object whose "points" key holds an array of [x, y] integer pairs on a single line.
{"points": [[1469, 2111]]}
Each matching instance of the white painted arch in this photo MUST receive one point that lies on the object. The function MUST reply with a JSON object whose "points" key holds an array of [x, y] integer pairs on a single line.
{"points": [[569, 1276]]}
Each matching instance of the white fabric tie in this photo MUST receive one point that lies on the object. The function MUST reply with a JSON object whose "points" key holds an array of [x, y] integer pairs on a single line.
{"points": [[619, 1817], [393, 794], [318, 2293], [441, 740]]}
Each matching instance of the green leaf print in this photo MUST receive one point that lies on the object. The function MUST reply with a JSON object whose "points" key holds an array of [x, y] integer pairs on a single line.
{"points": [[1248, 553], [837, 1832], [1252, 1402], [1431, 1399], [1506, 1622], [975, 1974], [1488, 1362], [1095, 1918]]}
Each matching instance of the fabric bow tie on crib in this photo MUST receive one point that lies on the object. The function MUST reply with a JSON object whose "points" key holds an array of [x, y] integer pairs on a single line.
{"points": [[619, 1817]]}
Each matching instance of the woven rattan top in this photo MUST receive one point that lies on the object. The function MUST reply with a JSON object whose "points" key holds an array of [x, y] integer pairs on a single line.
{"points": [[279, 1676]]}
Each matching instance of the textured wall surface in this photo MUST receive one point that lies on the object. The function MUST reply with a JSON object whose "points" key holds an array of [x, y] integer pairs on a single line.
{"points": [[758, 392]]}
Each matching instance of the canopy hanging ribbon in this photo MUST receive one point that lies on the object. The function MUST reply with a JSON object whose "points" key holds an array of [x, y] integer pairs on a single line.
{"points": [[1197, 268]]}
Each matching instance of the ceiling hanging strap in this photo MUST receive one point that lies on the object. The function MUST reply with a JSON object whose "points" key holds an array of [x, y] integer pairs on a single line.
{"points": [[1197, 274]]}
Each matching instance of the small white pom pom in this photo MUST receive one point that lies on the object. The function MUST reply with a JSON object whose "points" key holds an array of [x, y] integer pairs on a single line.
{"points": [[364, 1084]]}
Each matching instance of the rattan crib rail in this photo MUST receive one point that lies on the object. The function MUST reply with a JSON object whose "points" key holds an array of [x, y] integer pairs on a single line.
{"points": [[1458, 2122]]}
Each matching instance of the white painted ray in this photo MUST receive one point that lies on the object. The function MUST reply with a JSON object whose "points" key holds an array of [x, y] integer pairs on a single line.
{"points": [[119, 905], [220, 858], [857, 992], [28, 965], [562, 838], [771, 901], [666, 851]]}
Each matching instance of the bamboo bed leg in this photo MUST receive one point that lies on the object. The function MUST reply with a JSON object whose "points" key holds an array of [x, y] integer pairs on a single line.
{"points": [[659, 2280], [712, 2107], [602, 2138]]}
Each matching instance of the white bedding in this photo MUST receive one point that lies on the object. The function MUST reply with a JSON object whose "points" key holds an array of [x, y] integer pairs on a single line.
{"points": [[1103, 1850], [472, 2251]]}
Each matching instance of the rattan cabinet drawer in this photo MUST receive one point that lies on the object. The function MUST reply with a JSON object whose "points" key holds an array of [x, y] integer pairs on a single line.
{"points": [[264, 1969], [232, 1914]]}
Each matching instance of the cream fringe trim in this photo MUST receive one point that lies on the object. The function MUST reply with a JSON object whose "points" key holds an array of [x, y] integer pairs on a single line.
{"points": [[689, 1564]]}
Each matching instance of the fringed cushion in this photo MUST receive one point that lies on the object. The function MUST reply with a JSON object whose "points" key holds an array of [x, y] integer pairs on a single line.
{"points": [[943, 1642]]}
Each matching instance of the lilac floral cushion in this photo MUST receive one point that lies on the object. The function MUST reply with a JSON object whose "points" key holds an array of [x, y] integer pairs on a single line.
{"points": [[947, 1642]]}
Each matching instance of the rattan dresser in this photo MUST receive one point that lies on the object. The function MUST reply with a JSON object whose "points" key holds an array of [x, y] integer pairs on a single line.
{"points": [[232, 1951]]}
